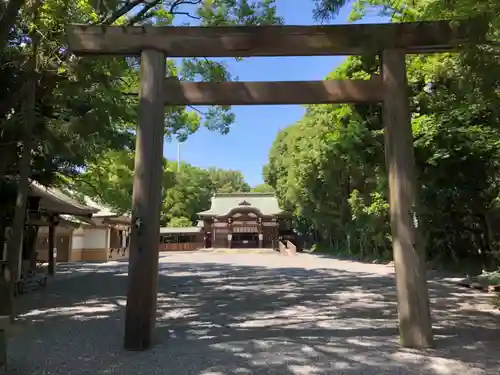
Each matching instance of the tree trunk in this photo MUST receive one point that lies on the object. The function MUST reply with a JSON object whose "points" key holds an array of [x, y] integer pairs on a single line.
{"points": [[17, 227], [7, 152]]}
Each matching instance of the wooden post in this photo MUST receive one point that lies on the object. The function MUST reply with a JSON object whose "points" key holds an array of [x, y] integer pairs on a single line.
{"points": [[52, 245], [146, 202], [413, 299]]}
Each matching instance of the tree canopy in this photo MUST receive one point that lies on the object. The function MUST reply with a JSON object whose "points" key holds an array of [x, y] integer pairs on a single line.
{"points": [[263, 188], [329, 166], [60, 114], [186, 192], [82, 104]]}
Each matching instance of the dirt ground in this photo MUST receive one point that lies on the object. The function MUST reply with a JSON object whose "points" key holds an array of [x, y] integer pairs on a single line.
{"points": [[230, 313]]}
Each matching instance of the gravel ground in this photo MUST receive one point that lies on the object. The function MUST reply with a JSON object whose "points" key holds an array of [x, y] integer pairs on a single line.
{"points": [[227, 313]]}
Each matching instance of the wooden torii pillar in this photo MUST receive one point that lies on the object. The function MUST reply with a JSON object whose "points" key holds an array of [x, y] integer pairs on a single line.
{"points": [[409, 256], [146, 204], [392, 41]]}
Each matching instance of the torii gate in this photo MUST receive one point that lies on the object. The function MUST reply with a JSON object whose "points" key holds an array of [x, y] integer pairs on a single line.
{"points": [[155, 44]]}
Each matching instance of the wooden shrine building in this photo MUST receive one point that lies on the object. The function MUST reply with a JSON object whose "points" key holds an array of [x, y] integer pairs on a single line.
{"points": [[245, 220], [48, 209], [234, 220]]}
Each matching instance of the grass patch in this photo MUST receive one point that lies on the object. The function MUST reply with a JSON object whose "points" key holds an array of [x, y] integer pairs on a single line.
{"points": [[491, 278], [496, 301]]}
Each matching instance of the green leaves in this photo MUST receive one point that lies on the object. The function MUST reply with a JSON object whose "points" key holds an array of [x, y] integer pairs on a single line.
{"points": [[263, 188], [327, 9], [180, 222], [186, 192], [241, 12], [86, 106], [329, 167], [194, 187]]}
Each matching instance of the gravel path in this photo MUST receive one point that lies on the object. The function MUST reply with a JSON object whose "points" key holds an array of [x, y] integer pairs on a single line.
{"points": [[221, 314]]}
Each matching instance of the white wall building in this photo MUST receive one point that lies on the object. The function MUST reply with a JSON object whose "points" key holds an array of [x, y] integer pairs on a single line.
{"points": [[103, 237]]}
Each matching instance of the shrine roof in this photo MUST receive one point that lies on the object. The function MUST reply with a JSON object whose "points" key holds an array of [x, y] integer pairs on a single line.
{"points": [[223, 203], [54, 200]]}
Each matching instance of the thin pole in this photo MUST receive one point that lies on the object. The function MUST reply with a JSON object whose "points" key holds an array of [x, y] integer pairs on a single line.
{"points": [[52, 245], [178, 156]]}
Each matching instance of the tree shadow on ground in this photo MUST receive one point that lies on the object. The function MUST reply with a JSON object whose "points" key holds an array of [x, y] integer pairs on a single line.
{"points": [[222, 318]]}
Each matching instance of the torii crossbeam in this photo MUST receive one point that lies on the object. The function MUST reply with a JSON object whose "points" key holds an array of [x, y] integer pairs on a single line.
{"points": [[391, 41]]}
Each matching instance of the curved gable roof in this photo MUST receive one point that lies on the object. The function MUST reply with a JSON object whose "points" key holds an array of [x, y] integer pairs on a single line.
{"points": [[54, 200], [225, 203]]}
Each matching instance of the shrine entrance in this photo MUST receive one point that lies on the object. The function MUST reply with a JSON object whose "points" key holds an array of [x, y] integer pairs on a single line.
{"points": [[245, 240], [390, 41]]}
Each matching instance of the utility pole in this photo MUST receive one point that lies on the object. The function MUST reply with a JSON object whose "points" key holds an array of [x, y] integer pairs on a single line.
{"points": [[178, 156]]}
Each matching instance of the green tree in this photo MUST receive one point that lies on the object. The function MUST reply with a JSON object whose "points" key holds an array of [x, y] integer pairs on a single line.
{"points": [[263, 188], [227, 181], [81, 109], [62, 112], [108, 180], [186, 192], [180, 222], [189, 195], [329, 167]]}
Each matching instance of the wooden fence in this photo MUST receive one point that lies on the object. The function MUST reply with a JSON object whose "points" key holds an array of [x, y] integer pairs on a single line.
{"points": [[180, 246]]}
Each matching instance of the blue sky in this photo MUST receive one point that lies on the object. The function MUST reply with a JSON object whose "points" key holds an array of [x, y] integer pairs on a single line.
{"points": [[246, 146]]}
